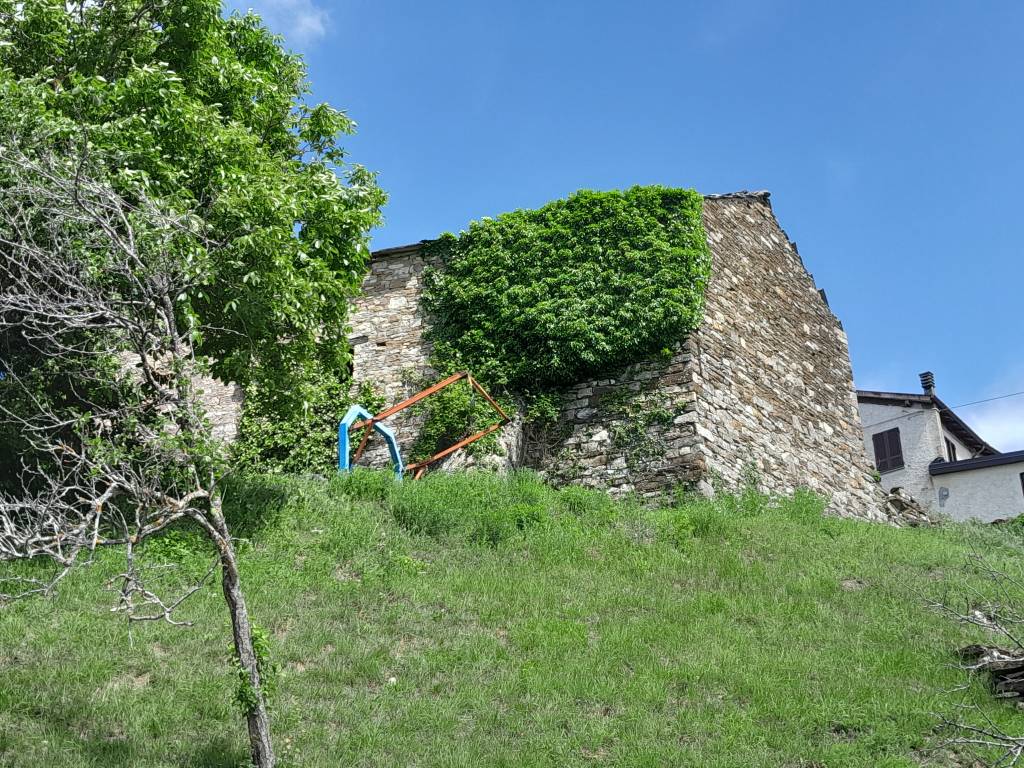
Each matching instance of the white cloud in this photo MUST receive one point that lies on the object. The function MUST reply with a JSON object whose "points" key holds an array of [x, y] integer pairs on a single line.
{"points": [[302, 22], [1000, 422]]}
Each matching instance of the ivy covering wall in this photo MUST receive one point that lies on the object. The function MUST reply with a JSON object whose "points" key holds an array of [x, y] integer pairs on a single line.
{"points": [[534, 300]]}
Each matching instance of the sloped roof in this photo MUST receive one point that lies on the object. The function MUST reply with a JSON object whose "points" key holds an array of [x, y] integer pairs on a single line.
{"points": [[948, 467]]}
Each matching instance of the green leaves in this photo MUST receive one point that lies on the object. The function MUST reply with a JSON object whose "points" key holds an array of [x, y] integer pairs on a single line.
{"points": [[533, 300], [208, 114]]}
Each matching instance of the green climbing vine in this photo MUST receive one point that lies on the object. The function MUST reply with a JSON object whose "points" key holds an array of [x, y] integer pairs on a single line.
{"points": [[535, 299], [246, 697], [453, 413], [637, 418]]}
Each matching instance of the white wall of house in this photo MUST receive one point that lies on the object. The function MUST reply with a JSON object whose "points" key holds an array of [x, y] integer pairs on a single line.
{"points": [[988, 493], [921, 436]]}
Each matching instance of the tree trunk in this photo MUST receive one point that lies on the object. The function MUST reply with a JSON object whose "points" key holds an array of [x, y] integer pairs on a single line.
{"points": [[257, 718]]}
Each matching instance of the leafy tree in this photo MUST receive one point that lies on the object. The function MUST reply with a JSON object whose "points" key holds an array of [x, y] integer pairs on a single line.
{"points": [[210, 114]]}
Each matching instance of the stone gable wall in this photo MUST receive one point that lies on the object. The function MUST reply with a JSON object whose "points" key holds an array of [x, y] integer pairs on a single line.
{"points": [[764, 384], [223, 404], [775, 387], [635, 432]]}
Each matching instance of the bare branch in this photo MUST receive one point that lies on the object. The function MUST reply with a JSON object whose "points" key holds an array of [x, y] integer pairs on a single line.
{"points": [[96, 351]]}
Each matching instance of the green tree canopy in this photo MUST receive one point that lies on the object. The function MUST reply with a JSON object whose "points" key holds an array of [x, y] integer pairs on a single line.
{"points": [[538, 299], [210, 113]]}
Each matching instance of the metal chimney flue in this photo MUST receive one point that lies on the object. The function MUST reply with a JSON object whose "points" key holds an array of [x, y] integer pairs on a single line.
{"points": [[928, 382]]}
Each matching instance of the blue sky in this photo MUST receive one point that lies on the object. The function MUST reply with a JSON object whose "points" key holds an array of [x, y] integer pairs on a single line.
{"points": [[888, 133]]}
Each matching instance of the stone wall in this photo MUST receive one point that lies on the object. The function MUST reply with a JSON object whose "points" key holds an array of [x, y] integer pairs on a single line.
{"points": [[764, 385], [635, 432], [774, 383], [223, 404], [221, 401], [389, 350]]}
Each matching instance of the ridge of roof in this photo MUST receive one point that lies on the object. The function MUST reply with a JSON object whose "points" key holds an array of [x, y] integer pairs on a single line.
{"points": [[743, 194]]}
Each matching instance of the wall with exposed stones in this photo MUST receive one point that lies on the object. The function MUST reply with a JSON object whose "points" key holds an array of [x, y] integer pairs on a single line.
{"points": [[635, 432], [774, 382], [388, 346], [223, 404], [763, 389]]}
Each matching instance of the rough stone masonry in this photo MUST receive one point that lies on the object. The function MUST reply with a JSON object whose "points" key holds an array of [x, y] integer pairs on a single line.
{"points": [[762, 390]]}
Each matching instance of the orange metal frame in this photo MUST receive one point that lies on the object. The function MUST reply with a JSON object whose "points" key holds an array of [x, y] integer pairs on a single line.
{"points": [[419, 467]]}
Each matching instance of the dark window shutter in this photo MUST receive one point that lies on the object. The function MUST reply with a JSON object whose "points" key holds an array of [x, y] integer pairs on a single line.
{"points": [[888, 450], [895, 449], [881, 450]]}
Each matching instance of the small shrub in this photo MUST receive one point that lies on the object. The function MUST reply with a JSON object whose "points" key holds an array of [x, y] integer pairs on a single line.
{"points": [[180, 545], [805, 506], [676, 526], [587, 504], [245, 696], [710, 520]]}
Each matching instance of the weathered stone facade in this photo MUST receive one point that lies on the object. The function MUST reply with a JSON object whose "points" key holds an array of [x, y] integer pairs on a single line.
{"points": [[223, 405], [763, 388], [774, 376], [389, 349]]}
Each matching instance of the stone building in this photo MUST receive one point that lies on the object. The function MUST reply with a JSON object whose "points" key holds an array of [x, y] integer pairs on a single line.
{"points": [[763, 389]]}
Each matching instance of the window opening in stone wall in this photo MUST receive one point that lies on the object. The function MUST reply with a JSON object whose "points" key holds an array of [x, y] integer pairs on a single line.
{"points": [[950, 450], [888, 450]]}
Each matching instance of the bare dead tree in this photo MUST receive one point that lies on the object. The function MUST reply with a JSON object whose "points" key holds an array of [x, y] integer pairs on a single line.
{"points": [[95, 278], [999, 615]]}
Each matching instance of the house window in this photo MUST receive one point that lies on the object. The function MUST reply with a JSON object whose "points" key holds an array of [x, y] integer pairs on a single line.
{"points": [[1022, 481], [950, 450], [888, 450]]}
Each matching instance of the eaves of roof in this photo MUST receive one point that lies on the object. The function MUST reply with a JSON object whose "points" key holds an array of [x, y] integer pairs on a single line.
{"points": [[948, 467], [892, 398], [398, 250], [958, 427]]}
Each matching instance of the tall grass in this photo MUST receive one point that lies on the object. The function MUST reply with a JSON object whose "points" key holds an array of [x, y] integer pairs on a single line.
{"points": [[468, 620]]}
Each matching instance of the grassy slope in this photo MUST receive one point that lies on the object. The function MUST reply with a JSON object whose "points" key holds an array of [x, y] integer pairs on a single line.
{"points": [[421, 626]]}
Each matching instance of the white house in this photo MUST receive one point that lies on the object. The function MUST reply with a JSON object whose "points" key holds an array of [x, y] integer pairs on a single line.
{"points": [[919, 444]]}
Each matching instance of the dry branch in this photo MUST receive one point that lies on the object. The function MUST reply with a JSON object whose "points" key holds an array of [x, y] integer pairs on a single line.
{"points": [[94, 286]]}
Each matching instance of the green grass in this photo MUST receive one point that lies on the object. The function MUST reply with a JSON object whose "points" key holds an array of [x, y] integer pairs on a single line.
{"points": [[468, 620]]}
